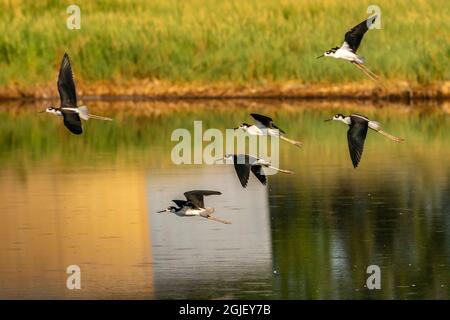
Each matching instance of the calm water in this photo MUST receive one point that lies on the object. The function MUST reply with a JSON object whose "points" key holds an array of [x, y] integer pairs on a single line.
{"points": [[91, 201]]}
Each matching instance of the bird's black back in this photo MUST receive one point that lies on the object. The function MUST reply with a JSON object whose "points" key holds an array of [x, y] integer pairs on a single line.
{"points": [[180, 203], [66, 84], [354, 36], [356, 136], [263, 119], [266, 121], [195, 197]]}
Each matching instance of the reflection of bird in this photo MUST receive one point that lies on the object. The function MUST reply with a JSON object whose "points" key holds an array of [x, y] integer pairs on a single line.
{"points": [[71, 114], [244, 163], [348, 49], [265, 126], [194, 206], [356, 135]]}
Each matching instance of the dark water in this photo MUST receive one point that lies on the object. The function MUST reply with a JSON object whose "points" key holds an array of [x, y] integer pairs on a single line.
{"points": [[91, 201]]}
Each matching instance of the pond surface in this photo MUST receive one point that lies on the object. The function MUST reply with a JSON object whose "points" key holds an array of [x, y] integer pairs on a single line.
{"points": [[91, 201]]}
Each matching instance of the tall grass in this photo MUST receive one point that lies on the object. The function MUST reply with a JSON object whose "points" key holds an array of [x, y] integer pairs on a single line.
{"points": [[203, 41]]}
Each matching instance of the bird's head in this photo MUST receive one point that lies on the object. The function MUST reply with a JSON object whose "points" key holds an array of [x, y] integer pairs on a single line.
{"points": [[338, 117], [328, 53], [244, 126], [52, 110], [169, 209], [224, 158]]}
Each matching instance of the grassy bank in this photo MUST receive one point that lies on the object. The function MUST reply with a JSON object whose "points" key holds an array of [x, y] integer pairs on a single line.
{"points": [[201, 42]]}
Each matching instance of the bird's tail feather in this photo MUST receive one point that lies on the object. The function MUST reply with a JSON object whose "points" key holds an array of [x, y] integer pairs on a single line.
{"points": [[214, 218], [84, 114], [93, 116], [295, 143], [394, 138]]}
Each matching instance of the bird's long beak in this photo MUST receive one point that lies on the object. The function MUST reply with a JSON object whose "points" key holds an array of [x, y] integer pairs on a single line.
{"points": [[327, 120], [165, 210], [220, 159], [320, 56], [41, 111]]}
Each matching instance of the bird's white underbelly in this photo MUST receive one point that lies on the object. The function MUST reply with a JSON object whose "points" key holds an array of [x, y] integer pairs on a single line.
{"points": [[256, 131], [188, 212], [374, 125], [346, 55]]}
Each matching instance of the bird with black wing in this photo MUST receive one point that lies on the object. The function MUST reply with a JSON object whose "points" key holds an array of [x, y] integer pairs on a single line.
{"points": [[265, 126], [194, 205], [68, 109], [244, 163], [357, 132], [347, 51]]}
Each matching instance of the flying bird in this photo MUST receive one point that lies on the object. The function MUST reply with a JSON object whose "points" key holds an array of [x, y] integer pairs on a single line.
{"points": [[265, 126], [244, 163], [68, 109], [348, 49], [356, 134], [195, 206]]}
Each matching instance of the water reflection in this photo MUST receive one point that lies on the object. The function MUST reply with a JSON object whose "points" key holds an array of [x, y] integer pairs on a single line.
{"points": [[90, 200], [55, 218], [192, 253]]}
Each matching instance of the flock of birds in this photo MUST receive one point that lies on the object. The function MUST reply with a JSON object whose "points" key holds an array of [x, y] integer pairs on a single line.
{"points": [[243, 163]]}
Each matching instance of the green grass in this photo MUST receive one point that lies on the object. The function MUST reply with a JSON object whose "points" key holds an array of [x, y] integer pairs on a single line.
{"points": [[201, 41]]}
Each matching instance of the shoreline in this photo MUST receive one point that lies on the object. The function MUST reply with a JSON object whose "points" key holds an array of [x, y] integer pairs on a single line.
{"points": [[141, 90]]}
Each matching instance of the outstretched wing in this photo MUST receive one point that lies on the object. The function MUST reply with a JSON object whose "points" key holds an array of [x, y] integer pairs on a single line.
{"points": [[242, 167], [66, 84], [356, 136], [354, 36], [72, 121], [262, 119], [196, 196], [257, 171], [266, 121]]}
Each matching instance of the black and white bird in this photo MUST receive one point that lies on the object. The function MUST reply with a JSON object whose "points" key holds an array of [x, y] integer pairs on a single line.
{"points": [[356, 134], [195, 206], [265, 126], [244, 163], [351, 43], [71, 113]]}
